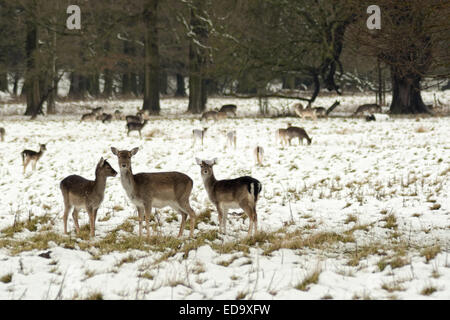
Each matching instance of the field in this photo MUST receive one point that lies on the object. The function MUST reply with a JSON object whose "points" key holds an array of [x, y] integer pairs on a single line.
{"points": [[361, 213]]}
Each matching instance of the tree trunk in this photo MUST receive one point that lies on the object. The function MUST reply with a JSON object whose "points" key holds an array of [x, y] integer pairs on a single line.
{"points": [[33, 93], [51, 107], [198, 94], [16, 83], [108, 89], [152, 64], [181, 91], [3, 81], [406, 96]]}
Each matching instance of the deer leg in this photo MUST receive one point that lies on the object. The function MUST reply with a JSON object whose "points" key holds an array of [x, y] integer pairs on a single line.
{"points": [[75, 219], [248, 210], [140, 214], [148, 212], [33, 165], [67, 208], [25, 164], [92, 213], [219, 211], [187, 209], [183, 222]]}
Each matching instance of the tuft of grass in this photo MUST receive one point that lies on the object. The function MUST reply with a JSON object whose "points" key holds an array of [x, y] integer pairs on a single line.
{"points": [[95, 296], [428, 290], [312, 278], [435, 206], [241, 295], [351, 218], [392, 287], [391, 221], [7, 278], [430, 252], [146, 275]]}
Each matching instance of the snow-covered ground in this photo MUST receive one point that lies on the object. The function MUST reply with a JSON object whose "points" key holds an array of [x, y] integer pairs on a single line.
{"points": [[363, 212]]}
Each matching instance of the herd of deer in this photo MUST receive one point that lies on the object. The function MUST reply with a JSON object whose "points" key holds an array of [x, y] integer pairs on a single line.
{"points": [[173, 189]]}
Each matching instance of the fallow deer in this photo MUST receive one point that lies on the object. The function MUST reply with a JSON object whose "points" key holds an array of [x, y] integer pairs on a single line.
{"points": [[80, 193], [258, 153], [231, 139], [229, 109], [156, 190], [369, 108], [198, 134], [297, 132], [136, 126], [236, 193], [30, 155]]}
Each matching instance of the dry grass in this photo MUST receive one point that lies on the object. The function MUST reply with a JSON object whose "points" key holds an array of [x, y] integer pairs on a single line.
{"points": [[7, 278], [430, 252], [312, 278]]}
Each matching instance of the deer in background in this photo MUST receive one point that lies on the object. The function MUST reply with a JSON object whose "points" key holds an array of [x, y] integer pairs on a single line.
{"points": [[236, 193], [297, 132], [282, 137], [92, 116], [80, 193], [2, 134], [137, 118], [208, 115], [231, 139], [229, 109], [305, 113], [136, 126], [198, 135], [30, 155], [157, 189], [258, 153], [370, 108]]}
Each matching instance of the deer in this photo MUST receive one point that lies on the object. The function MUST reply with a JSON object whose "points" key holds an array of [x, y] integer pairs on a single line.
{"points": [[156, 189], [231, 139], [221, 115], [229, 109], [118, 115], [209, 115], [370, 108], [30, 155], [91, 116], [97, 110], [281, 136], [236, 193], [297, 132], [305, 113], [80, 193], [105, 117], [136, 126], [136, 118], [2, 134], [258, 153], [321, 112], [198, 135]]}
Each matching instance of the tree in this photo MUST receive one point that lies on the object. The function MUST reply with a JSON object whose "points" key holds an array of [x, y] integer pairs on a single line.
{"points": [[198, 55], [412, 42], [151, 62]]}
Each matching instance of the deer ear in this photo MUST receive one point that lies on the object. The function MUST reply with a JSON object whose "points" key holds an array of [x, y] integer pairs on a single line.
{"points": [[134, 151], [214, 161], [199, 162], [114, 150], [101, 162]]}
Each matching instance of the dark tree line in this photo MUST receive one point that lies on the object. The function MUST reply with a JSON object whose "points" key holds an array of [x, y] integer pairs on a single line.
{"points": [[222, 47]]}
